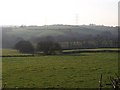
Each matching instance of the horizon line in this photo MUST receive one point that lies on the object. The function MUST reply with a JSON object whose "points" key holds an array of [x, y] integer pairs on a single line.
{"points": [[59, 24]]}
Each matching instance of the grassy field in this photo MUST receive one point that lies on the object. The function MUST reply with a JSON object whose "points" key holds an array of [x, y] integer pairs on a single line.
{"points": [[10, 52], [0, 72], [80, 71], [13, 52]]}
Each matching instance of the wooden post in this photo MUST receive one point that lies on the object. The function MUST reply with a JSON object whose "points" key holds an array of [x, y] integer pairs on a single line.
{"points": [[100, 83]]}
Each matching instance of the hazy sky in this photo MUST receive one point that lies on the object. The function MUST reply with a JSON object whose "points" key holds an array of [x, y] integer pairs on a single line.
{"points": [[41, 12]]}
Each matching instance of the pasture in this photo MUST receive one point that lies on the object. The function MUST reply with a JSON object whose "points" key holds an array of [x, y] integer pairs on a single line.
{"points": [[9, 52], [13, 53], [65, 71]]}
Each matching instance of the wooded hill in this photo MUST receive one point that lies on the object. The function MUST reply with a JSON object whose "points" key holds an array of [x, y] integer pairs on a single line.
{"points": [[69, 36]]}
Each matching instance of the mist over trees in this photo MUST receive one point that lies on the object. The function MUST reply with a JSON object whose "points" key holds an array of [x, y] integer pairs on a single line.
{"points": [[68, 36]]}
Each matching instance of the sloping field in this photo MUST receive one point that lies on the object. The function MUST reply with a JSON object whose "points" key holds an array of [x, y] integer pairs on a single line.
{"points": [[82, 71]]}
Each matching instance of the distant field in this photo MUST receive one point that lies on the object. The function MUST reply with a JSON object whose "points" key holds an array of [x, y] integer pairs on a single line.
{"points": [[80, 71], [12, 52], [97, 49], [9, 52]]}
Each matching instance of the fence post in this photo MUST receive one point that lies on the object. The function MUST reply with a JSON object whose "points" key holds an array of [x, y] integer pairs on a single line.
{"points": [[100, 83]]}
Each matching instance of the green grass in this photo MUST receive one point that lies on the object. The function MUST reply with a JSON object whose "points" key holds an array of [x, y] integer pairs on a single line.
{"points": [[0, 72], [59, 71], [10, 52]]}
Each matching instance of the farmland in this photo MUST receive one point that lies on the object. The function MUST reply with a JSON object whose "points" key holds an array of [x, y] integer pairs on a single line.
{"points": [[80, 71], [11, 52]]}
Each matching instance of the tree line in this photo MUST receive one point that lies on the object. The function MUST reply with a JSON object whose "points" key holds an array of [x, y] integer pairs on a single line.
{"points": [[46, 47]]}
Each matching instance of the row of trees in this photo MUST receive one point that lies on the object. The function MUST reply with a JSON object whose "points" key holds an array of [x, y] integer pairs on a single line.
{"points": [[46, 47], [83, 44]]}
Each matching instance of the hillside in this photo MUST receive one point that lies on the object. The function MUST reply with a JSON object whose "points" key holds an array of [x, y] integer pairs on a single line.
{"points": [[59, 33]]}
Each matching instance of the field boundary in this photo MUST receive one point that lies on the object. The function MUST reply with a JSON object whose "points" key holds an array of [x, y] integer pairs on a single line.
{"points": [[91, 50], [68, 52], [17, 56]]}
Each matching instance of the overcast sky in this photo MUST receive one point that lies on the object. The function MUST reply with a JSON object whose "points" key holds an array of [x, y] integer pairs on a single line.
{"points": [[41, 12]]}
